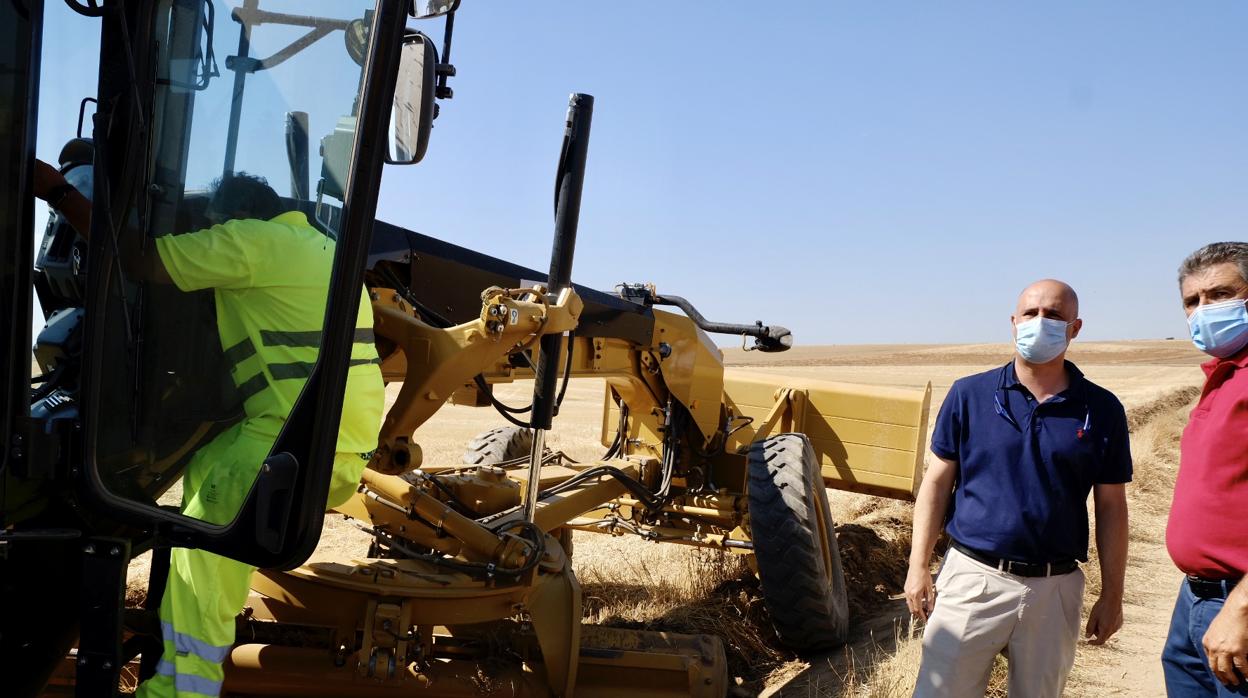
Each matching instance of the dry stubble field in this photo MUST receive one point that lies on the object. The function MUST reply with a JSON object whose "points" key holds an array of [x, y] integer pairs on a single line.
{"points": [[628, 582]]}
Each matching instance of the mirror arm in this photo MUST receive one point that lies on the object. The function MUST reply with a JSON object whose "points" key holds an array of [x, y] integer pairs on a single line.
{"points": [[254, 17], [254, 65], [444, 68]]}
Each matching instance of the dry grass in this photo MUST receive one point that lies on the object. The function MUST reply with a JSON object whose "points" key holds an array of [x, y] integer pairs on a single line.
{"points": [[1155, 451], [892, 674], [697, 591], [691, 590]]}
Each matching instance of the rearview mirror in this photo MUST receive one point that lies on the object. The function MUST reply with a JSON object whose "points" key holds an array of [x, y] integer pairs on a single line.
{"points": [[411, 119]]}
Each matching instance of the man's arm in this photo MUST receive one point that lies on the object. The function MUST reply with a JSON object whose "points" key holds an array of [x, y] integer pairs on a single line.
{"points": [[929, 513], [1226, 640], [1105, 618], [76, 209]]}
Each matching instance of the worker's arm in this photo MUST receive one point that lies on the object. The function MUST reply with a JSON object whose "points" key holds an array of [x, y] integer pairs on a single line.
{"points": [[1105, 618], [72, 204], [929, 514], [76, 208], [1226, 640]]}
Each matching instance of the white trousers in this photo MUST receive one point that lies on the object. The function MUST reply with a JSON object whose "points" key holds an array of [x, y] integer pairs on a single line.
{"points": [[982, 612]]}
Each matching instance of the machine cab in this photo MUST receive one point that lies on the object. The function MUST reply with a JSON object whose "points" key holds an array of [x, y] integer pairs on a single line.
{"points": [[217, 123]]}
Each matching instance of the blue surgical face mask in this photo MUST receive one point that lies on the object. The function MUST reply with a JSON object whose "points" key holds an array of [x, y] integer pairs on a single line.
{"points": [[1220, 329], [1042, 339]]}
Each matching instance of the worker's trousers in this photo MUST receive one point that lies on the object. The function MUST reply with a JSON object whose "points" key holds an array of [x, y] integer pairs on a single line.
{"points": [[981, 612], [205, 592]]}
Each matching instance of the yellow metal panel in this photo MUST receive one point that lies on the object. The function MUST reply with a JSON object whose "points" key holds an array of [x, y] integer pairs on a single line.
{"points": [[868, 439], [694, 371], [818, 425]]}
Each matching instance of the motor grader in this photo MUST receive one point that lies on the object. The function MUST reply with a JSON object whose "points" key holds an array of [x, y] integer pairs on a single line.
{"points": [[467, 588]]}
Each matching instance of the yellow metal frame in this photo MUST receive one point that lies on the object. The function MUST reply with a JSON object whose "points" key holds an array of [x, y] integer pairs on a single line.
{"points": [[867, 439], [435, 362]]}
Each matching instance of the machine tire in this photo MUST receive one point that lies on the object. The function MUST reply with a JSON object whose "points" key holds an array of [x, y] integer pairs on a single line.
{"points": [[498, 445], [799, 563], [509, 443]]}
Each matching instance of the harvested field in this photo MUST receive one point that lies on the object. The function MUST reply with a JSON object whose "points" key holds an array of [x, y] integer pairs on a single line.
{"points": [[631, 583]]}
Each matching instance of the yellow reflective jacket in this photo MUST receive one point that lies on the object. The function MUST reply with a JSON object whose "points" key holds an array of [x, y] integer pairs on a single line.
{"points": [[271, 281]]}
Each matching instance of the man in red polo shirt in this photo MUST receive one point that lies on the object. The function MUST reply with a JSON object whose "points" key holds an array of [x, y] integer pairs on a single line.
{"points": [[1206, 653]]}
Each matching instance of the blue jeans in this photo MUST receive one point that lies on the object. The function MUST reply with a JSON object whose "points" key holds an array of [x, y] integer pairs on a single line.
{"points": [[1183, 659]]}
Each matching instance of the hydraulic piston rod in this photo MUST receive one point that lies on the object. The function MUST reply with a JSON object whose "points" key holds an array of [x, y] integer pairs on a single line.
{"points": [[569, 181]]}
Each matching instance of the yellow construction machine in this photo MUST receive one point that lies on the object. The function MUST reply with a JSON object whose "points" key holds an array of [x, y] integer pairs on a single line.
{"points": [[467, 588], [471, 558]]}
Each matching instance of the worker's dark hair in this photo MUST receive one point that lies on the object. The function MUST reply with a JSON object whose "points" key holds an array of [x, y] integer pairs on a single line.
{"points": [[242, 195]]}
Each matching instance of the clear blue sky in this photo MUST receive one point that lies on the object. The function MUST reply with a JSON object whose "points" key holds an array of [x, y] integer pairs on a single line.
{"points": [[858, 172]]}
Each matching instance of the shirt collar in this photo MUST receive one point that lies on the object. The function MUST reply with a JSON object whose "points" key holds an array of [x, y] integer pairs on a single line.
{"points": [[1239, 360], [1009, 380]]}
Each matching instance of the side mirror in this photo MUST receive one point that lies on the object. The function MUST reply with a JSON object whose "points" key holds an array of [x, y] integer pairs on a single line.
{"points": [[411, 119], [426, 9]]}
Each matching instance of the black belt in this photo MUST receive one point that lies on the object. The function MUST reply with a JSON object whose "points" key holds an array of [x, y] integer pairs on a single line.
{"points": [[1204, 588], [1017, 568]]}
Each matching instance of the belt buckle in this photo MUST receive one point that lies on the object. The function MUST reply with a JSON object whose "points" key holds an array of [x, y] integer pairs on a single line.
{"points": [[1205, 588], [1024, 569]]}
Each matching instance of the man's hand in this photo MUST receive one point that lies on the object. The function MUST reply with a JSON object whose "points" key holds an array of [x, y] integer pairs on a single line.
{"points": [[47, 178], [1104, 620], [920, 592], [1226, 643]]}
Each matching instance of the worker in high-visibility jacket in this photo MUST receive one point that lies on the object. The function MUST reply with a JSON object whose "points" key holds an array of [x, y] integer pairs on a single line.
{"points": [[270, 272]]}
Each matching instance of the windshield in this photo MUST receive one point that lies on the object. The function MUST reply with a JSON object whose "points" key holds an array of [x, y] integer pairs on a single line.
{"points": [[284, 110], [215, 320]]}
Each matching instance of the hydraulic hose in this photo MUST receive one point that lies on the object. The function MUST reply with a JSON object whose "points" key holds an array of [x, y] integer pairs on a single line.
{"points": [[767, 338]]}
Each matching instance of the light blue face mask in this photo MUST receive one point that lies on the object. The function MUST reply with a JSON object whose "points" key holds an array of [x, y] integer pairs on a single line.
{"points": [[1220, 329], [1040, 340]]}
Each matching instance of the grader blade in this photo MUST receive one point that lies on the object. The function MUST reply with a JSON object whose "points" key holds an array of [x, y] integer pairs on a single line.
{"points": [[613, 664], [868, 439]]}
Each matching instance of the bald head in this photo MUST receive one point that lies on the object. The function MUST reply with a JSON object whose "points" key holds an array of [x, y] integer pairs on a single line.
{"points": [[1047, 298]]}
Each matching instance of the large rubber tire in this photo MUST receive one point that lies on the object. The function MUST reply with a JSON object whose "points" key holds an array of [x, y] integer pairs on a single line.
{"points": [[498, 445], [509, 443], [795, 544]]}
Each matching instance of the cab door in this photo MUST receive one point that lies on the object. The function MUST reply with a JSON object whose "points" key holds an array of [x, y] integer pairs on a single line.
{"points": [[169, 389]]}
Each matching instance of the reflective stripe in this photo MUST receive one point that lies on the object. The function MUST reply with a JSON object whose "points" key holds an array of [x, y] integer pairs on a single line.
{"points": [[185, 643], [273, 338], [252, 386], [299, 369], [243, 350], [190, 683], [303, 369], [187, 683]]}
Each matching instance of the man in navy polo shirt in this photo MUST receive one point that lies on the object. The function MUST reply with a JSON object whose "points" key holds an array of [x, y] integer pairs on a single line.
{"points": [[1018, 449]]}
